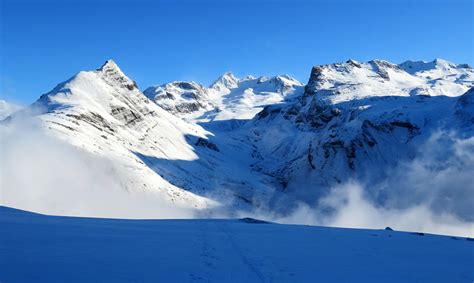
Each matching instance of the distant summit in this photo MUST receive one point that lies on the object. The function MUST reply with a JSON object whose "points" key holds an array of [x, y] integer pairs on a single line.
{"points": [[227, 98]]}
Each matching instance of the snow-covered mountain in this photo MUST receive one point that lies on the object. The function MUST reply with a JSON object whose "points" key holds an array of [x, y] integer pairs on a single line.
{"points": [[360, 121], [181, 98], [154, 151], [104, 113], [273, 142], [226, 99]]}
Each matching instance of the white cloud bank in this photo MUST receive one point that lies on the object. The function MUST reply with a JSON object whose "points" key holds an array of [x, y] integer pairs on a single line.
{"points": [[433, 193], [353, 210], [43, 174]]}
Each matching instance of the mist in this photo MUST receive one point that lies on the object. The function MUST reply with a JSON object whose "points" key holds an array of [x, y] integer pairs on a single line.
{"points": [[40, 173], [351, 209], [431, 193], [434, 193]]}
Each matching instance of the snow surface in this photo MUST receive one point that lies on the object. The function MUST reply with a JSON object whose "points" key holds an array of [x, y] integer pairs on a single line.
{"points": [[39, 248]]}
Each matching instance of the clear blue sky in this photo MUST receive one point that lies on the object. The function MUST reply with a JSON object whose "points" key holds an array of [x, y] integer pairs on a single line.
{"points": [[46, 42]]}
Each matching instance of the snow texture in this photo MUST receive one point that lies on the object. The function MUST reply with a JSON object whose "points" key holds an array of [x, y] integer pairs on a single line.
{"points": [[38, 248]]}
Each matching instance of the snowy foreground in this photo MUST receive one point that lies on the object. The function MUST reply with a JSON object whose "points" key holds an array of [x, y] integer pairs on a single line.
{"points": [[38, 248]]}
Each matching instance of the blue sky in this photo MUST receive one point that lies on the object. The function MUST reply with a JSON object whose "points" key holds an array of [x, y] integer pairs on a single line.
{"points": [[46, 42]]}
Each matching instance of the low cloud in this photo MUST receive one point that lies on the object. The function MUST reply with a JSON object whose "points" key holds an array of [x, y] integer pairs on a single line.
{"points": [[432, 193], [41, 173], [352, 210]]}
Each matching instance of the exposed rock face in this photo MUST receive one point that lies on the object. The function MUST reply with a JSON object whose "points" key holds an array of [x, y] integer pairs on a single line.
{"points": [[228, 98], [180, 97], [113, 92], [355, 118], [380, 67], [315, 79], [112, 74], [206, 143]]}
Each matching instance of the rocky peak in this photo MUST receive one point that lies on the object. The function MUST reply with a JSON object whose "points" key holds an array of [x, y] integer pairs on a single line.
{"points": [[180, 97], [112, 74], [188, 85], [109, 65], [381, 66], [286, 80], [226, 81], [353, 63], [384, 64], [315, 78], [284, 83]]}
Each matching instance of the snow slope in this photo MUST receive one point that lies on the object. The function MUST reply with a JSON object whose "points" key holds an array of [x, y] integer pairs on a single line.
{"points": [[39, 248]]}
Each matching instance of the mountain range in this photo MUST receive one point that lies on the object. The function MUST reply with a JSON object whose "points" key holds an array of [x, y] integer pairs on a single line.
{"points": [[273, 143]]}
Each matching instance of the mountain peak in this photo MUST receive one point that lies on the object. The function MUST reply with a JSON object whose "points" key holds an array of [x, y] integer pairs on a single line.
{"points": [[439, 61], [112, 74], [226, 81], [228, 75], [228, 78], [420, 66], [109, 65], [353, 63]]}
